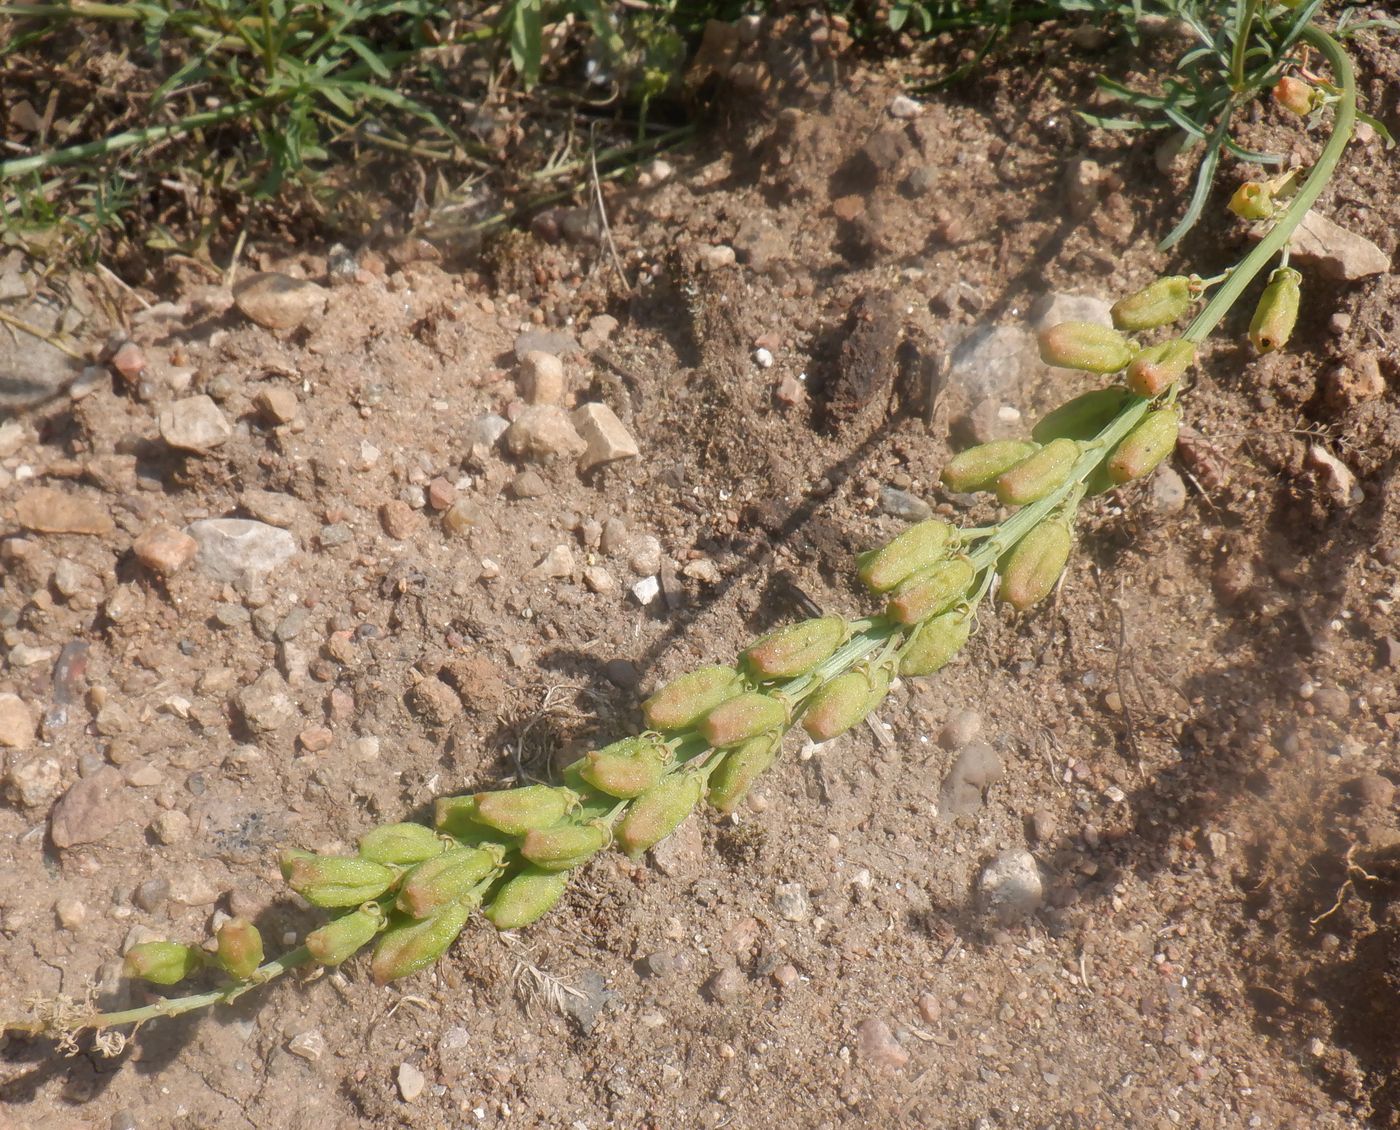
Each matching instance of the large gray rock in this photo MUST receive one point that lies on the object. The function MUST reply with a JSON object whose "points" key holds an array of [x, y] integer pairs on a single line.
{"points": [[230, 547]]}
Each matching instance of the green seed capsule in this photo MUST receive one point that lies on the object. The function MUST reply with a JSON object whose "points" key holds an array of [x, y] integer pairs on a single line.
{"points": [[736, 721], [516, 811], [1085, 345], [935, 642], [658, 812], [240, 948], [1031, 567], [844, 702], [1035, 477], [400, 845], [561, 849], [446, 878], [1082, 418], [977, 468], [162, 963], [916, 548], [410, 945], [1160, 366], [683, 702], [341, 939], [930, 592], [1145, 446], [741, 767], [627, 768], [1277, 312], [331, 881], [1157, 304], [1253, 201], [794, 650], [526, 898]]}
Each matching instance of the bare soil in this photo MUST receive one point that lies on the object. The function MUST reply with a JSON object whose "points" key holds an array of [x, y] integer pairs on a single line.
{"points": [[1199, 733]]}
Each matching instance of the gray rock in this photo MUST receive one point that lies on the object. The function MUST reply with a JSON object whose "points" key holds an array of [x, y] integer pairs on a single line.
{"points": [[278, 302], [590, 997], [90, 810], [1167, 492], [962, 727], [486, 430], [901, 504], [32, 370], [791, 902], [194, 424], [1052, 309], [1334, 252], [994, 361], [264, 704], [1009, 887], [231, 547]]}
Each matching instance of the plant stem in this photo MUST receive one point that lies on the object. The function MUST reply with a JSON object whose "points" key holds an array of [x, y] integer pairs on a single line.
{"points": [[1342, 126], [75, 153]]}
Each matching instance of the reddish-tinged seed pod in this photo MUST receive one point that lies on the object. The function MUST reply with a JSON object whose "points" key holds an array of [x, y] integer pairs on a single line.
{"points": [[516, 811], [682, 702], [1277, 312], [930, 592], [333, 881], [741, 767], [658, 812], [1085, 345], [1296, 96], [341, 939], [1253, 201], [627, 768], [565, 847], [1031, 567], [935, 642], [1160, 366], [794, 650], [1145, 446], [977, 468], [162, 963], [736, 721], [916, 548], [446, 878], [1082, 418], [529, 896], [1158, 304], [240, 949], [411, 944], [844, 702], [400, 845], [1035, 477]]}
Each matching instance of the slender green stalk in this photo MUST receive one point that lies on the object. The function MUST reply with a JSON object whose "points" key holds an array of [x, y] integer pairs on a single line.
{"points": [[119, 141]]}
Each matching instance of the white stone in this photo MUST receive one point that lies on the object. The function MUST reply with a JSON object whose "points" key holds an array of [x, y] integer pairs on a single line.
{"points": [[1052, 309], [277, 301], [1010, 887], [903, 107], [544, 431], [194, 424], [606, 438], [646, 590], [541, 378], [763, 358], [411, 1082], [230, 547]]}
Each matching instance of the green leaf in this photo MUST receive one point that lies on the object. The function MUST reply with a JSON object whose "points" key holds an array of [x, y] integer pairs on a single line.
{"points": [[526, 41]]}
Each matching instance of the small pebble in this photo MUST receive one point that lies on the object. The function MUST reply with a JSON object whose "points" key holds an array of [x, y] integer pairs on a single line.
{"points": [[316, 739], [277, 405], [790, 901], [165, 550], [644, 558], [725, 986], [903, 505], [786, 976], [309, 1045], [151, 894], [961, 727], [172, 827], [194, 424], [399, 519], [71, 913], [878, 1047], [411, 1082], [1009, 886]]}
